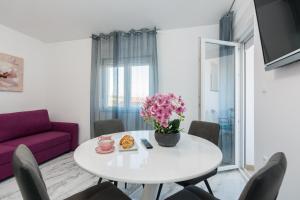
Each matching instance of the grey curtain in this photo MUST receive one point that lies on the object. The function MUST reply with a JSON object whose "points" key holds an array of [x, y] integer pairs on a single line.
{"points": [[124, 70], [226, 27], [227, 91]]}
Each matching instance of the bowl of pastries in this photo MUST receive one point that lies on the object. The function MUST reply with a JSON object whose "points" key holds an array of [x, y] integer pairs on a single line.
{"points": [[127, 143]]}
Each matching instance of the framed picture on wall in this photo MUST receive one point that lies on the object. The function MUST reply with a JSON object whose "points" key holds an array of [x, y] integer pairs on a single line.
{"points": [[11, 73]]}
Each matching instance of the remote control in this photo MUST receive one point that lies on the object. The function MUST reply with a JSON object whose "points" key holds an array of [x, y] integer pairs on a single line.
{"points": [[147, 144]]}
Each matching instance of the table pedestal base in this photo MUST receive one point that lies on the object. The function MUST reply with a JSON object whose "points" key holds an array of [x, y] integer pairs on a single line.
{"points": [[150, 192]]}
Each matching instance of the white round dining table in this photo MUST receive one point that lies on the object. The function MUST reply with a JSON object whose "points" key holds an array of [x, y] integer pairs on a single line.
{"points": [[190, 158]]}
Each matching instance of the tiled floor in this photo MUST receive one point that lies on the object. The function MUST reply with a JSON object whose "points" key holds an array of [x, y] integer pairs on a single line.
{"points": [[64, 178]]}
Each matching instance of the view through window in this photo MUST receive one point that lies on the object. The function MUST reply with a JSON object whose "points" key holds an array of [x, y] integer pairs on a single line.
{"points": [[127, 87], [139, 84]]}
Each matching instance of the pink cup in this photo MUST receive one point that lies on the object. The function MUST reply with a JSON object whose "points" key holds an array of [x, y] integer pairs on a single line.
{"points": [[104, 137], [106, 145]]}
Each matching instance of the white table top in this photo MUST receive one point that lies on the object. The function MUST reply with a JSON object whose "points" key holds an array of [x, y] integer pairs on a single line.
{"points": [[192, 157]]}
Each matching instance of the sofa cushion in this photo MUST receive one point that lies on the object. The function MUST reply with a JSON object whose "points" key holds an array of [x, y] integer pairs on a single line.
{"points": [[42, 141], [20, 124], [6, 153]]}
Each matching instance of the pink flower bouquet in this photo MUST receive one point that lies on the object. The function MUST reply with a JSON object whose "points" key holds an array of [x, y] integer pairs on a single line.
{"points": [[165, 111]]}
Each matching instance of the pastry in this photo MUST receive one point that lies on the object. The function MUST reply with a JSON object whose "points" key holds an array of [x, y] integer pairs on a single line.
{"points": [[127, 141]]}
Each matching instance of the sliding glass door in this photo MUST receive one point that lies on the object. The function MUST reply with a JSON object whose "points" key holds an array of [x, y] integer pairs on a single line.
{"points": [[219, 89]]}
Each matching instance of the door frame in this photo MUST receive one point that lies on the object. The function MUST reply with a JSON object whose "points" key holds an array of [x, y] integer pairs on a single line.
{"points": [[236, 46], [246, 39]]}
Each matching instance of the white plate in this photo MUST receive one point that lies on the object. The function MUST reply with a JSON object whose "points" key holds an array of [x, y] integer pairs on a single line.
{"points": [[133, 148]]}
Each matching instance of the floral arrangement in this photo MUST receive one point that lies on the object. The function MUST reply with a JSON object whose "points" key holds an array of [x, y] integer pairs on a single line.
{"points": [[165, 111]]}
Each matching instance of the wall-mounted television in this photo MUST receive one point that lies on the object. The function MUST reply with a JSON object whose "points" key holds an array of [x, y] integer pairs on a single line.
{"points": [[279, 28]]}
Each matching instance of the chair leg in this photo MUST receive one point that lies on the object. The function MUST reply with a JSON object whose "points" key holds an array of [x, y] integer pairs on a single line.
{"points": [[125, 185], [99, 181], [116, 183], [208, 187], [159, 191]]}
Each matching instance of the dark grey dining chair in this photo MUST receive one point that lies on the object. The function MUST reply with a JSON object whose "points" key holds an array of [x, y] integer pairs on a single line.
{"points": [[103, 127], [264, 184], [206, 130], [32, 185]]}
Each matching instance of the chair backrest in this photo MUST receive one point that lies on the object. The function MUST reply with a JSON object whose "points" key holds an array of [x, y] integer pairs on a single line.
{"points": [[103, 127], [207, 130], [265, 184], [28, 175]]}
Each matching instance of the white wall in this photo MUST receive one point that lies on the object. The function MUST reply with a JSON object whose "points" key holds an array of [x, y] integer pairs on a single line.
{"points": [[277, 117], [68, 83], [68, 90], [33, 52], [178, 54], [276, 106], [178, 59], [57, 75]]}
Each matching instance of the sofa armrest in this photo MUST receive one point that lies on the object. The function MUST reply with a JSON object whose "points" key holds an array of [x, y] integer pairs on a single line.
{"points": [[71, 128]]}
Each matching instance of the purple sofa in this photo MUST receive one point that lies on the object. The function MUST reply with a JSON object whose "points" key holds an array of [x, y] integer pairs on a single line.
{"points": [[45, 139]]}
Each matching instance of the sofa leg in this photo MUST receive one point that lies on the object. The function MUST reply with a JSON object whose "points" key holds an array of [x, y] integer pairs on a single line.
{"points": [[99, 181]]}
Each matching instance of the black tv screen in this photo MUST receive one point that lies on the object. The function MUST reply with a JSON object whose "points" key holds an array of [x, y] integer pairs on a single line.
{"points": [[279, 27]]}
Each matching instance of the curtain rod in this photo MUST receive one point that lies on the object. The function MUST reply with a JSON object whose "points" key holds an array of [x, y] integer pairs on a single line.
{"points": [[130, 31]]}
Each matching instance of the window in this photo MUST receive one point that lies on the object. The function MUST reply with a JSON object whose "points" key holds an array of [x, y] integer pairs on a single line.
{"points": [[127, 87], [139, 84], [115, 94]]}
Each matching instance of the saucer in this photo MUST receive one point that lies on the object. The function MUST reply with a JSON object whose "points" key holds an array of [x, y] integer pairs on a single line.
{"points": [[100, 151]]}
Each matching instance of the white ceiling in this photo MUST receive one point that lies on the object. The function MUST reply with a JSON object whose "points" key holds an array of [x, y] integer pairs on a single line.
{"points": [[60, 20]]}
